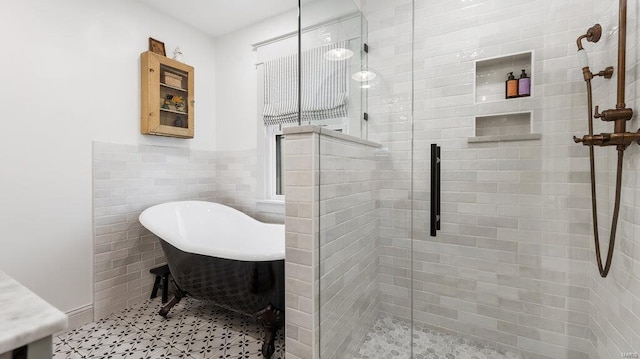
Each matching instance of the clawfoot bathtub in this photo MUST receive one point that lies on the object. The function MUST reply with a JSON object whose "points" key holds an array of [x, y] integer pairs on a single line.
{"points": [[218, 254]]}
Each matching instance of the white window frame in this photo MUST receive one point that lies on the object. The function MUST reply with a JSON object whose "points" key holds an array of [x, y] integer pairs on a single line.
{"points": [[270, 133], [270, 159]]}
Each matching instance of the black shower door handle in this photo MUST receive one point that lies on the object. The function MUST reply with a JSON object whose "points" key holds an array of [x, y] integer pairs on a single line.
{"points": [[435, 188]]}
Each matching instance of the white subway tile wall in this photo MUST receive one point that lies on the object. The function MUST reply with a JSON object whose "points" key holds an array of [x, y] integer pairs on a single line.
{"points": [[390, 106], [615, 301], [126, 180], [349, 293], [514, 261], [301, 236], [331, 230], [515, 124]]}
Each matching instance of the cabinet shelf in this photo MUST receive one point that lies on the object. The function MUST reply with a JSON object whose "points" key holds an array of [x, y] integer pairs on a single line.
{"points": [[173, 87], [173, 111], [157, 70]]}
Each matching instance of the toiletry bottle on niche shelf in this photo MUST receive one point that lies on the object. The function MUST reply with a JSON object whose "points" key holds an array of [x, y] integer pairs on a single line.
{"points": [[511, 86], [524, 85]]}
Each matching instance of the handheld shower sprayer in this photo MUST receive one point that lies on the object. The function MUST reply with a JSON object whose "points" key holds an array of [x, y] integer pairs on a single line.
{"points": [[593, 35], [619, 138]]}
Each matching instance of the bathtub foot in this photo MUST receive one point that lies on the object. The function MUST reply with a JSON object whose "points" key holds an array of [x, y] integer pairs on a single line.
{"points": [[271, 319], [268, 347], [164, 311]]}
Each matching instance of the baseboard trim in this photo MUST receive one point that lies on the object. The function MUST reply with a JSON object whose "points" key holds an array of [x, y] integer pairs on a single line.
{"points": [[79, 317]]}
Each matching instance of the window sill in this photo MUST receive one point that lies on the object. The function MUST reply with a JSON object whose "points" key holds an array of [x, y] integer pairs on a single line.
{"points": [[270, 206]]}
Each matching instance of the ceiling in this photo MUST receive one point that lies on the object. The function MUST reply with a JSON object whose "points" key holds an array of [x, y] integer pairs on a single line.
{"points": [[219, 17]]}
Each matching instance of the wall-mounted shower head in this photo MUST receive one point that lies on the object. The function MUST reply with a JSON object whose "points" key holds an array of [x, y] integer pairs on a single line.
{"points": [[593, 35]]}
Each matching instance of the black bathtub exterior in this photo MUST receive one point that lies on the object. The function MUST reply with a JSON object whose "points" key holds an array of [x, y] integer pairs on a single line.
{"points": [[252, 288]]}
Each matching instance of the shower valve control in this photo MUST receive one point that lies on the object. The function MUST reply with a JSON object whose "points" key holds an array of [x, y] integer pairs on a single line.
{"points": [[614, 114], [609, 139]]}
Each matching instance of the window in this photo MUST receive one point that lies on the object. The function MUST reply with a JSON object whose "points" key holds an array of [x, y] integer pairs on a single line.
{"points": [[329, 105], [274, 161], [279, 165], [275, 165]]}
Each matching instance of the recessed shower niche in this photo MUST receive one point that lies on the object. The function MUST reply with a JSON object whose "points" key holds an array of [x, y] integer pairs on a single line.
{"points": [[491, 74], [500, 118], [504, 127]]}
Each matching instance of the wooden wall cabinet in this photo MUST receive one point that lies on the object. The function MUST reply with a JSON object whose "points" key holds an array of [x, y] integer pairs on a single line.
{"points": [[167, 97]]}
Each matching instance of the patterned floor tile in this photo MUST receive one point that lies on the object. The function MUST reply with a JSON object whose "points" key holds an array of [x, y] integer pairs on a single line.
{"points": [[61, 350], [170, 352], [193, 329], [199, 330], [170, 332], [69, 355], [141, 310]]}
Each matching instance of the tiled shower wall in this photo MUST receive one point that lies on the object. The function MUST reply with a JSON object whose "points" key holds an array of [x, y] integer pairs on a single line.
{"points": [[516, 228], [128, 179], [615, 300], [301, 233], [513, 264], [333, 174], [389, 101], [349, 293]]}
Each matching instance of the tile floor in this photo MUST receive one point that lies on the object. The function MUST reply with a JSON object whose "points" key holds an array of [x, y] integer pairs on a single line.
{"points": [[197, 329], [194, 329], [390, 338]]}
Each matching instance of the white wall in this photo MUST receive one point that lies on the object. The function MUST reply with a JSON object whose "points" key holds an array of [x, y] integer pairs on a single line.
{"points": [[71, 75], [236, 81]]}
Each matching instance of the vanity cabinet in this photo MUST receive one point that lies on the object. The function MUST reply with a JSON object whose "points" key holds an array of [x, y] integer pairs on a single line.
{"points": [[27, 322], [167, 97]]}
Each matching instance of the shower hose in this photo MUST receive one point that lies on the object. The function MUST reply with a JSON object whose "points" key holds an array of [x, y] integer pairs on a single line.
{"points": [[594, 206]]}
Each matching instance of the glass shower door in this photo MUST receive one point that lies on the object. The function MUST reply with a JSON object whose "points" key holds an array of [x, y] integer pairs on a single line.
{"points": [[365, 190], [347, 188], [508, 271]]}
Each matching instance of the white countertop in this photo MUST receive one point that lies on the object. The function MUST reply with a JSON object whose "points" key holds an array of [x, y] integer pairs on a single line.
{"points": [[25, 317]]}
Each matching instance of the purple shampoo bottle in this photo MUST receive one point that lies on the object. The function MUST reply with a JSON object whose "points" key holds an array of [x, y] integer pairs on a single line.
{"points": [[524, 85]]}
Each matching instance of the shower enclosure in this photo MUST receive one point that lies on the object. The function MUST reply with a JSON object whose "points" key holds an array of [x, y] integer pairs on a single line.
{"points": [[510, 272]]}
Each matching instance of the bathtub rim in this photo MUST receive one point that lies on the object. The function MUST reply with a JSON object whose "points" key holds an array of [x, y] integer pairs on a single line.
{"points": [[240, 253]]}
